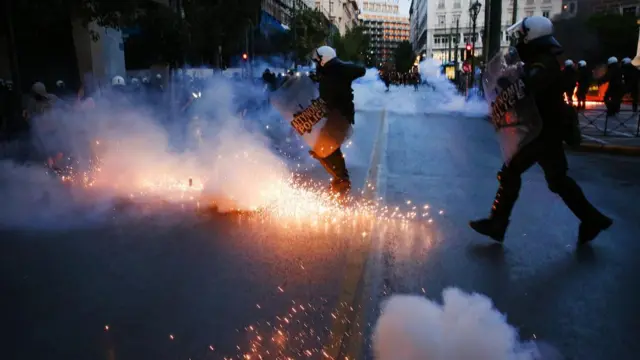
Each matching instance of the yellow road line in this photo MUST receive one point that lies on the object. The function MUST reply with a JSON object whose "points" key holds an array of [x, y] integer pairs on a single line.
{"points": [[348, 325]]}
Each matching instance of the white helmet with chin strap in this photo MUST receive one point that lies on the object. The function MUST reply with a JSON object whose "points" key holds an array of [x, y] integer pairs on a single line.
{"points": [[582, 63], [532, 30], [568, 63], [118, 81], [626, 60], [612, 60], [324, 54]]}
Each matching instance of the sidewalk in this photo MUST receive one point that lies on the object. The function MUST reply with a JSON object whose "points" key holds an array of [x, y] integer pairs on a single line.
{"points": [[615, 135]]}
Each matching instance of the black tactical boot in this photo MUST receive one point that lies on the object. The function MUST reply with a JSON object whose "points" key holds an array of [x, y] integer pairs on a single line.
{"points": [[496, 225], [589, 230], [340, 187], [592, 221], [492, 227]]}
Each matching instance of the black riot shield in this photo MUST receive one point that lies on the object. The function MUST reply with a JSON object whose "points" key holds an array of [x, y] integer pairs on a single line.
{"points": [[321, 128], [514, 112]]}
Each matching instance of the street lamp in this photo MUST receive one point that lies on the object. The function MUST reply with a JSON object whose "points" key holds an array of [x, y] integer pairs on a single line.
{"points": [[474, 10]]}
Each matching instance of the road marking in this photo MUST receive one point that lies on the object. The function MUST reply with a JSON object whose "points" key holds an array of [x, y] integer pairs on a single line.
{"points": [[345, 334]]}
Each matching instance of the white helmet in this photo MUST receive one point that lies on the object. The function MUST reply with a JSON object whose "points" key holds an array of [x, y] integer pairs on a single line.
{"points": [[118, 81], [39, 88], [145, 80], [534, 29], [626, 60], [60, 83], [158, 76], [568, 63], [612, 60], [324, 54], [582, 63]]}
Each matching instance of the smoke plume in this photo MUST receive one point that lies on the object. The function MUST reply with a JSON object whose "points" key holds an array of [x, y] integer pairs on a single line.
{"points": [[464, 327]]}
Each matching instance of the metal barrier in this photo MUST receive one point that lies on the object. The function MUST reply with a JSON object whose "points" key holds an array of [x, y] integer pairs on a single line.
{"points": [[611, 125]]}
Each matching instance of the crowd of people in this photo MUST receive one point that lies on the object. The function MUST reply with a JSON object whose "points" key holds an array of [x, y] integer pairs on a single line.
{"points": [[411, 78]]}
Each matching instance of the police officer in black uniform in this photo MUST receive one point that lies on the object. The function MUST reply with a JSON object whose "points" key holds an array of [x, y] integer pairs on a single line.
{"points": [[570, 77], [538, 49], [615, 90], [584, 80], [335, 77]]}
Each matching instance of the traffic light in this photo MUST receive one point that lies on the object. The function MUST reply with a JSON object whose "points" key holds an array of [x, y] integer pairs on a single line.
{"points": [[467, 54], [245, 56]]}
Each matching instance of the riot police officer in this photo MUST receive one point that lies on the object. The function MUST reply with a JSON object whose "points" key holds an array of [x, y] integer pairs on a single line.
{"points": [[584, 80], [570, 78], [615, 89], [335, 78], [538, 49]]}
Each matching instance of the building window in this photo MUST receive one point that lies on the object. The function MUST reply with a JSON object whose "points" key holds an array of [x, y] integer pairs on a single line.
{"points": [[546, 1], [440, 4], [442, 19], [457, 4], [572, 8], [330, 7], [530, 2], [546, 13], [629, 10], [528, 13], [456, 19]]}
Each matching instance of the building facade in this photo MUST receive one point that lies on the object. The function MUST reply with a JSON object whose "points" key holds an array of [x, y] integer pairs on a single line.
{"points": [[342, 13], [572, 8], [449, 25], [418, 20], [386, 27], [282, 10]]}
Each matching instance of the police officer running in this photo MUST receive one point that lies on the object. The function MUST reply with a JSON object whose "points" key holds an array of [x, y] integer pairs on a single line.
{"points": [[335, 77], [538, 49]]}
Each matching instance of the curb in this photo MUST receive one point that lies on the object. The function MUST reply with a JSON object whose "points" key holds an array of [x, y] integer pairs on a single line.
{"points": [[607, 149]]}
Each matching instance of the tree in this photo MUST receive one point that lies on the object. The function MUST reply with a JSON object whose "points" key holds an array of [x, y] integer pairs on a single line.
{"points": [[41, 14], [162, 37], [220, 25], [310, 30], [597, 37], [404, 57], [353, 46], [617, 34]]}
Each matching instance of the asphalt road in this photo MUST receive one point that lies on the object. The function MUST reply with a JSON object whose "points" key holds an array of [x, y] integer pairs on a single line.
{"points": [[179, 285]]}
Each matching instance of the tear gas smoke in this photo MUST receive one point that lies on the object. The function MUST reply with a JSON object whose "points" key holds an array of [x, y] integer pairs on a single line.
{"points": [[439, 98], [216, 158], [464, 327], [229, 149]]}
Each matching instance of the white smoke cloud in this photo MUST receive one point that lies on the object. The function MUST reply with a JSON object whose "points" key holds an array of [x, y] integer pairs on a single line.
{"points": [[226, 162], [464, 327], [221, 155], [370, 94]]}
